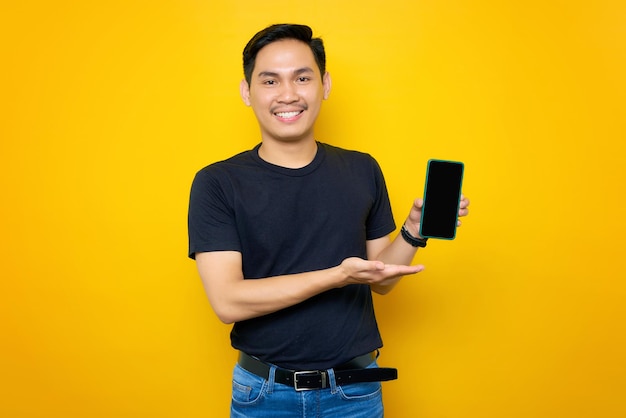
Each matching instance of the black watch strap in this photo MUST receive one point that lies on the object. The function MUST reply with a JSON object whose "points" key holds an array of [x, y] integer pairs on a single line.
{"points": [[415, 242]]}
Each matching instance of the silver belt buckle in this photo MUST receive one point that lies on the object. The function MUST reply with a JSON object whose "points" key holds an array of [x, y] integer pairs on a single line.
{"points": [[296, 375]]}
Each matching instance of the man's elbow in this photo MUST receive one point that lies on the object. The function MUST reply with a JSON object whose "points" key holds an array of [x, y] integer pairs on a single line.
{"points": [[229, 313], [225, 314], [226, 319], [381, 290]]}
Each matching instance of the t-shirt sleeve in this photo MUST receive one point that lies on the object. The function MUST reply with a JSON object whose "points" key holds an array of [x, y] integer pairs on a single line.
{"points": [[380, 221], [211, 220]]}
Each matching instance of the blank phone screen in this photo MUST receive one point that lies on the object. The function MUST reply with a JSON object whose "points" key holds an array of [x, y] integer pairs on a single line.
{"points": [[441, 199]]}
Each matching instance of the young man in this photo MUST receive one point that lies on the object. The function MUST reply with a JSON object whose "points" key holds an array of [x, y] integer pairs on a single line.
{"points": [[290, 238]]}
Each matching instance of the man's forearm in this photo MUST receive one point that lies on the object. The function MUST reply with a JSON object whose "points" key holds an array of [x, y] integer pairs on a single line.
{"points": [[235, 300]]}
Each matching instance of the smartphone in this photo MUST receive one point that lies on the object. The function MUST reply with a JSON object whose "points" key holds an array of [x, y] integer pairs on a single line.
{"points": [[442, 196]]}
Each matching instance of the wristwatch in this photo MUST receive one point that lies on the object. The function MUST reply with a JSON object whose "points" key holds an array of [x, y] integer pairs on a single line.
{"points": [[415, 242]]}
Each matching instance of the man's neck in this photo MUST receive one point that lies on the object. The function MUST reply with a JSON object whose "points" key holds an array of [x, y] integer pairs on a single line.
{"points": [[296, 154]]}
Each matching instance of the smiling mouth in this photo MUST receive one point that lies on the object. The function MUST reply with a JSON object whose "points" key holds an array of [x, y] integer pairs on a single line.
{"points": [[288, 115]]}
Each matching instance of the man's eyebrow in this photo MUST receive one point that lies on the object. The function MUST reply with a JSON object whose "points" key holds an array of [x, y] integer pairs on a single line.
{"points": [[296, 72], [303, 70], [267, 74]]}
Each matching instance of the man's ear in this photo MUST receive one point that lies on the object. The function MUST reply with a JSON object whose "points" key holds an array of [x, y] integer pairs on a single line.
{"points": [[327, 84], [244, 90]]}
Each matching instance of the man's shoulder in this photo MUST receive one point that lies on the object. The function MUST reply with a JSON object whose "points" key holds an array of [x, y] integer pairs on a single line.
{"points": [[346, 153], [231, 164], [359, 160]]}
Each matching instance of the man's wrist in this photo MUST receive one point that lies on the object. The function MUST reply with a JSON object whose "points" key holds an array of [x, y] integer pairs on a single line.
{"points": [[412, 240]]}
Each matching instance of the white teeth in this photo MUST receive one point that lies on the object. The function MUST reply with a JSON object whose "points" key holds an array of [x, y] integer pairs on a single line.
{"points": [[287, 115]]}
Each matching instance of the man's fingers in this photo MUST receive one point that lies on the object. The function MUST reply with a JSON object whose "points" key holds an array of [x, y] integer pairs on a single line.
{"points": [[399, 270]]}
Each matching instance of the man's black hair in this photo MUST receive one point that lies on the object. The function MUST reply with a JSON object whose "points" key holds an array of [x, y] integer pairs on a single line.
{"points": [[279, 32]]}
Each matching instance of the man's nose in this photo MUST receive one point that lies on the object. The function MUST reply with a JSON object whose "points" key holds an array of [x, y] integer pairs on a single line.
{"points": [[288, 93]]}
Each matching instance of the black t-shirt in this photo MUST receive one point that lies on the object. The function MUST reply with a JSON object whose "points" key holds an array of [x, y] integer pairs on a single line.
{"points": [[286, 221]]}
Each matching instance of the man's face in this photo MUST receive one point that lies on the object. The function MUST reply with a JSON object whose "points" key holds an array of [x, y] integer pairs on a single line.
{"points": [[286, 91]]}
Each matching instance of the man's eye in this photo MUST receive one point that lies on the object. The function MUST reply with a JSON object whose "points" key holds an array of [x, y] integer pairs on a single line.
{"points": [[269, 82], [303, 79]]}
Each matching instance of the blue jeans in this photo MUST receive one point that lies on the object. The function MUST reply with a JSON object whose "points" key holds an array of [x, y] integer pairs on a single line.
{"points": [[255, 397]]}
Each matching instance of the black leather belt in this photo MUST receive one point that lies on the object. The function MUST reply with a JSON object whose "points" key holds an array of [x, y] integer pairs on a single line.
{"points": [[352, 372]]}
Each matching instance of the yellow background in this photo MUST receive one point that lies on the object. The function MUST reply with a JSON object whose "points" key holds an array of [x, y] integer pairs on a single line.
{"points": [[109, 108]]}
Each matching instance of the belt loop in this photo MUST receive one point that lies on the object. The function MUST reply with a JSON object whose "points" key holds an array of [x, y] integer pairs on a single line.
{"points": [[271, 380], [332, 381]]}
